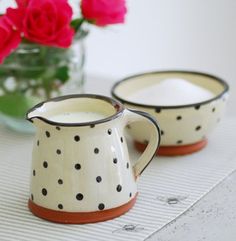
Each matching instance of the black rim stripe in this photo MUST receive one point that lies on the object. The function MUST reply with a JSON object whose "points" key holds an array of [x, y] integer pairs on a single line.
{"points": [[116, 104]]}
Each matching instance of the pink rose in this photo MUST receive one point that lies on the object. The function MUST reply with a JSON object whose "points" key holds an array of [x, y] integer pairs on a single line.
{"points": [[47, 22], [104, 12], [10, 36]]}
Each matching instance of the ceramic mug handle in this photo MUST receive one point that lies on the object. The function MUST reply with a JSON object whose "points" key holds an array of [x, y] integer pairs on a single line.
{"points": [[154, 142]]}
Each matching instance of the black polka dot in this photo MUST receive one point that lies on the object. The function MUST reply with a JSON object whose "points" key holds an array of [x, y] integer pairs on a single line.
{"points": [[109, 131], [118, 188], [158, 110], [77, 166], [32, 197], [44, 192], [179, 142], [127, 165], [198, 128], [213, 109], [58, 151], [96, 150], [60, 206], [179, 117], [34, 172], [114, 160], [60, 181], [79, 196], [162, 132], [58, 128], [128, 127], [92, 126], [101, 206], [45, 164], [130, 194], [38, 143], [121, 139], [77, 138], [47, 134], [197, 107], [98, 179]]}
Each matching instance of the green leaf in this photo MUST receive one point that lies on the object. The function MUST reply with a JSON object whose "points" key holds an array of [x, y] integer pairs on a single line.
{"points": [[3, 72], [62, 74], [28, 74], [76, 23], [16, 105]]}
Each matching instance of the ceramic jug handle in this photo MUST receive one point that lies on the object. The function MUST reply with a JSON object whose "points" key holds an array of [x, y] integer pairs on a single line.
{"points": [[154, 142]]}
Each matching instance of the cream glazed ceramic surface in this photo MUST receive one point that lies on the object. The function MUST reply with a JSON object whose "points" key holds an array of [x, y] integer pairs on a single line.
{"points": [[85, 167], [180, 125]]}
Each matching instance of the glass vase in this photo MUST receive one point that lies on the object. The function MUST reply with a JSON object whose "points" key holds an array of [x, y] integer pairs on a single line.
{"points": [[34, 73]]}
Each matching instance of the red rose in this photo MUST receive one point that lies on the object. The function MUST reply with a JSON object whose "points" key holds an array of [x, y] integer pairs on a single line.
{"points": [[10, 36], [104, 12], [15, 17], [22, 3], [47, 22]]}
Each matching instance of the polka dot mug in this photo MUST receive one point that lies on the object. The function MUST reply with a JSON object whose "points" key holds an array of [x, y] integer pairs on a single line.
{"points": [[81, 170], [185, 127]]}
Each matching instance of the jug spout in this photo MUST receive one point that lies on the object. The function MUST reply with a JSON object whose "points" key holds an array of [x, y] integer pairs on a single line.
{"points": [[34, 115], [32, 118]]}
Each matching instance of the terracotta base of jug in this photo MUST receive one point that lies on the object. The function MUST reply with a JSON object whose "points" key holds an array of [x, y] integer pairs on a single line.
{"points": [[79, 217], [174, 150]]}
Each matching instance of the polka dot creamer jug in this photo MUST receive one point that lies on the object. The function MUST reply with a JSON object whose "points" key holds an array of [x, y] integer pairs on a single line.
{"points": [[81, 171]]}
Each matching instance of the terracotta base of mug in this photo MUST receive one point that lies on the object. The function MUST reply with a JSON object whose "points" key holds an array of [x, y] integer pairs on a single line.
{"points": [[175, 150], [79, 217]]}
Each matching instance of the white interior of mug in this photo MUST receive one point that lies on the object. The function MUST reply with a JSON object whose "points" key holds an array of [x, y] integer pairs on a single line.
{"points": [[124, 89], [76, 109]]}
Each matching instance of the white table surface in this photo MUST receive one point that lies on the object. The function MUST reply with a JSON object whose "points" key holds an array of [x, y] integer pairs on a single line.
{"points": [[213, 218]]}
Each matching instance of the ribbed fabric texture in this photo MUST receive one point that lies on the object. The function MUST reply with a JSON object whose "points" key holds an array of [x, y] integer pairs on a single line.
{"points": [[167, 188]]}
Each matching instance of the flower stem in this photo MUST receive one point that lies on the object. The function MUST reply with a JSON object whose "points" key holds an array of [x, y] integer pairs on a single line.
{"points": [[76, 23]]}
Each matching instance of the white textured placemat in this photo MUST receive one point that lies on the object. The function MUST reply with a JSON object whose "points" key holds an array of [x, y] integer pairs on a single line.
{"points": [[168, 187]]}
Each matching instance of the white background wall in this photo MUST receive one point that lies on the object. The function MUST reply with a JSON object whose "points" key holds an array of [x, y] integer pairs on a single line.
{"points": [[168, 34]]}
